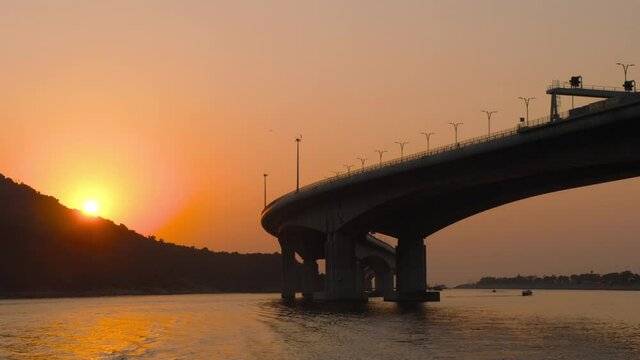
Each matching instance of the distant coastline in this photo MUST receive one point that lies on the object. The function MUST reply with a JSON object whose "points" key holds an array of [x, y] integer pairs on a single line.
{"points": [[538, 287], [625, 280]]}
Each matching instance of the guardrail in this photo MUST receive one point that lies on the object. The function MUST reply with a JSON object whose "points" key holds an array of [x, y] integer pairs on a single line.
{"points": [[419, 155], [544, 120], [527, 125], [566, 85]]}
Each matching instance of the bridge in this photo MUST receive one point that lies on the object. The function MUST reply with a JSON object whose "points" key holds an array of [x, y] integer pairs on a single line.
{"points": [[415, 196]]}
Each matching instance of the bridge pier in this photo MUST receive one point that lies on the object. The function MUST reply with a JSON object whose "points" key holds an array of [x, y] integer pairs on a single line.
{"points": [[342, 269], [309, 276], [359, 280], [384, 283], [368, 280], [411, 263], [288, 290]]}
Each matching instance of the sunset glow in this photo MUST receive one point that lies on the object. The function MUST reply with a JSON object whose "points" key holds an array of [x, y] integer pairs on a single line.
{"points": [[91, 207], [167, 116]]}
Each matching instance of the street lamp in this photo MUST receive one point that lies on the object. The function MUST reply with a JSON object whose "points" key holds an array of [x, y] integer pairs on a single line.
{"points": [[625, 67], [402, 144], [489, 113], [380, 152], [298, 140], [455, 129], [362, 160], [628, 85], [265, 188], [427, 135], [348, 166], [526, 103]]}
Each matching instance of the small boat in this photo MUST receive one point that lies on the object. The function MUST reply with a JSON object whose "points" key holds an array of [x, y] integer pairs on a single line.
{"points": [[527, 292], [494, 290]]}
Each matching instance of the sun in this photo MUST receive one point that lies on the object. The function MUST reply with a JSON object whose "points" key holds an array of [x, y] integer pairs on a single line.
{"points": [[90, 207]]}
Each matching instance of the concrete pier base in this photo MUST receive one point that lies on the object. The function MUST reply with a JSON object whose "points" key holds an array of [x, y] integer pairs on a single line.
{"points": [[411, 280], [411, 265], [384, 283], [289, 273], [342, 269], [309, 276], [368, 280]]}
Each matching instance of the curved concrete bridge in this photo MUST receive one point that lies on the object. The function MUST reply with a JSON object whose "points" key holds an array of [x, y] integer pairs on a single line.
{"points": [[414, 197]]}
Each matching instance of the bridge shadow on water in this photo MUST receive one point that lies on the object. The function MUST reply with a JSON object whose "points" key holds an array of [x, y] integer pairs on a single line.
{"points": [[301, 307], [355, 324]]}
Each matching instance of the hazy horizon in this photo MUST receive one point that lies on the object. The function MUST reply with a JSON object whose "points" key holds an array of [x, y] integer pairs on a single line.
{"points": [[168, 113]]}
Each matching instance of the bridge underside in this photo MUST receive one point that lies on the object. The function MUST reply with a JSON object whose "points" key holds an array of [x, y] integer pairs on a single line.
{"points": [[487, 180], [473, 200]]}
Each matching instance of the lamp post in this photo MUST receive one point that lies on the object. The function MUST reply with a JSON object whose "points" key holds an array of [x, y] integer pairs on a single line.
{"points": [[526, 103], [402, 144], [298, 140], [427, 135], [380, 152], [348, 166], [489, 113], [625, 67], [455, 129], [362, 160], [265, 188]]}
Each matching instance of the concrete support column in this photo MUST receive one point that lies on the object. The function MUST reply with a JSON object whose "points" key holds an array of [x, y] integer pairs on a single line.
{"points": [[309, 276], [360, 279], [411, 258], [288, 290], [342, 269], [384, 283], [368, 281]]}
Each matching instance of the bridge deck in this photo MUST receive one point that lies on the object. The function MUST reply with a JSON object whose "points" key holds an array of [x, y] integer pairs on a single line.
{"points": [[627, 99]]}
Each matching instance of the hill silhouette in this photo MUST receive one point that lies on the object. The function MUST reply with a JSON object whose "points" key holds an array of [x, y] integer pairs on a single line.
{"points": [[47, 249]]}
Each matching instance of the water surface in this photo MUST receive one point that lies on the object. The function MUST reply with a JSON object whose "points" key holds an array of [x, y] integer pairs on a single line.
{"points": [[467, 324]]}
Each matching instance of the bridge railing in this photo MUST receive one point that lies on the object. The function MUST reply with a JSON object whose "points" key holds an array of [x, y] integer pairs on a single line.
{"points": [[543, 121], [566, 85], [415, 156], [527, 125]]}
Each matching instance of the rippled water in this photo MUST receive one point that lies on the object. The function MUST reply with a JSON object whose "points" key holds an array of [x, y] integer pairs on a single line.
{"points": [[471, 324]]}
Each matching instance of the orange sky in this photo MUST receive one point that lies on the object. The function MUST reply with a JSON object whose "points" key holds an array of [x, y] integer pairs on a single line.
{"points": [[168, 112]]}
